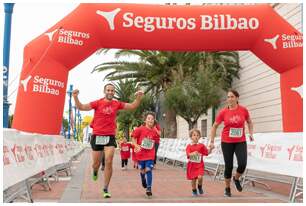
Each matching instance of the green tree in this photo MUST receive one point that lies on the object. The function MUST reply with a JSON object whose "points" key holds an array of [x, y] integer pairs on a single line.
{"points": [[193, 96]]}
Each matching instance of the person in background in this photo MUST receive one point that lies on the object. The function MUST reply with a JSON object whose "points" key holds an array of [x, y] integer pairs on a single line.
{"points": [[125, 153]]}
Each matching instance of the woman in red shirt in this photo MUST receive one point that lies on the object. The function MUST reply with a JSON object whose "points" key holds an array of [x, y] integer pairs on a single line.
{"points": [[233, 138], [143, 140]]}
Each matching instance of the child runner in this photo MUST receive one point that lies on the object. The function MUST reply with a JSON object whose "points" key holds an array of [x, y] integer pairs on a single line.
{"points": [[124, 153], [143, 140], [195, 166]]}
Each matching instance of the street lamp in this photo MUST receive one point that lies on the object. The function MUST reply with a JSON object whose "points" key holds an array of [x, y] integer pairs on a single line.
{"points": [[79, 124], [74, 125]]}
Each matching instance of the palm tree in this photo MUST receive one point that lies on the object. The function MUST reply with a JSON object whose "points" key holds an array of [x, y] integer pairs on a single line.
{"points": [[155, 71]]}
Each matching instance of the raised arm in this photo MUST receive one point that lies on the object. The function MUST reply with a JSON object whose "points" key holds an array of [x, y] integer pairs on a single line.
{"points": [[78, 104], [136, 102]]}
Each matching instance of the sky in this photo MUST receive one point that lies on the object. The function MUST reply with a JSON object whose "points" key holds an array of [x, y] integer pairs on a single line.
{"points": [[31, 19]]}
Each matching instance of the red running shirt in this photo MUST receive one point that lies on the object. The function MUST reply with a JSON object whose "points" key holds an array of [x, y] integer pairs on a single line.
{"points": [[104, 121], [140, 134], [195, 169], [234, 121], [125, 150]]}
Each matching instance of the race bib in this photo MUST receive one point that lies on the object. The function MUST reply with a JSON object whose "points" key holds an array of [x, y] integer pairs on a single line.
{"points": [[195, 158], [235, 132], [125, 149], [147, 143], [102, 140]]}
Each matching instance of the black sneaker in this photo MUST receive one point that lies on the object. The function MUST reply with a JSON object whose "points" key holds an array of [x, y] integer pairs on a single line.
{"points": [[227, 192], [149, 192], [237, 184], [201, 191]]}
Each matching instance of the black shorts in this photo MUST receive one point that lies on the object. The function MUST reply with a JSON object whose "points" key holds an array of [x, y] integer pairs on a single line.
{"points": [[112, 142]]}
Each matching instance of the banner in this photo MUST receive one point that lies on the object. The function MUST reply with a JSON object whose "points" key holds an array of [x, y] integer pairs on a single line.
{"points": [[279, 153], [26, 154], [50, 56]]}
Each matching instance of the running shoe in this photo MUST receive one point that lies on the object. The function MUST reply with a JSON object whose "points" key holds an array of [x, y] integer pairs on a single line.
{"points": [[227, 192], [149, 193], [106, 194], [194, 193], [201, 191], [237, 184], [95, 175]]}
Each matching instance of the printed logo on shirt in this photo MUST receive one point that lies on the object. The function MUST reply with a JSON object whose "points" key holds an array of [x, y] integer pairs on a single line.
{"points": [[108, 110], [235, 119]]}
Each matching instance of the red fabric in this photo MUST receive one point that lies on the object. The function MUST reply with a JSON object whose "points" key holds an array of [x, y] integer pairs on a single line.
{"points": [[195, 169], [104, 122], [125, 154], [139, 134], [133, 154], [233, 119], [157, 139]]}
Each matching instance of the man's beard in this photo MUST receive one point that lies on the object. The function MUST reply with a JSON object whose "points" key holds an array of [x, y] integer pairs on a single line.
{"points": [[109, 96]]}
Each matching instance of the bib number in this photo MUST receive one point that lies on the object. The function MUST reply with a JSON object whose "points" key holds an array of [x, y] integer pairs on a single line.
{"points": [[235, 132], [195, 158], [147, 143], [125, 149], [102, 140]]}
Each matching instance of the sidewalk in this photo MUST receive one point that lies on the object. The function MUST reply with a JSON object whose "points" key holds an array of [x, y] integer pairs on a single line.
{"points": [[169, 185]]}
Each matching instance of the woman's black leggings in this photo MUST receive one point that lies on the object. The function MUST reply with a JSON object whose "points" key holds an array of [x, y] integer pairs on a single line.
{"points": [[228, 150], [156, 148]]}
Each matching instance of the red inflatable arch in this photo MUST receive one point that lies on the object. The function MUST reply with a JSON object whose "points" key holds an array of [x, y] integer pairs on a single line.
{"points": [[49, 57]]}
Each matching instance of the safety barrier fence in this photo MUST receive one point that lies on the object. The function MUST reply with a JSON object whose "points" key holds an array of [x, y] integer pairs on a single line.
{"points": [[273, 154], [30, 159]]}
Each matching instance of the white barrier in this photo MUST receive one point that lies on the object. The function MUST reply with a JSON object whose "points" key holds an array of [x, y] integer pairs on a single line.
{"points": [[279, 153], [26, 154]]}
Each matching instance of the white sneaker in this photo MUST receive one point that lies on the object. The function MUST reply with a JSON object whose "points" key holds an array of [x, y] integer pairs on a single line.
{"points": [[122, 168]]}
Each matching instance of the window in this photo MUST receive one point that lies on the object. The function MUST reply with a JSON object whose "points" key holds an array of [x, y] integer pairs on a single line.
{"points": [[204, 127]]}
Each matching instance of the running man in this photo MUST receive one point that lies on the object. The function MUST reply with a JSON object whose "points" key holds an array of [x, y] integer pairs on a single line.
{"points": [[104, 129]]}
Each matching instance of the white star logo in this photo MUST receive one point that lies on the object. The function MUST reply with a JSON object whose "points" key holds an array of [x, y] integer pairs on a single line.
{"points": [[50, 34], [299, 90], [272, 41], [25, 82], [109, 16]]}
